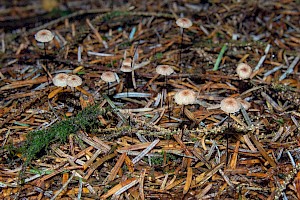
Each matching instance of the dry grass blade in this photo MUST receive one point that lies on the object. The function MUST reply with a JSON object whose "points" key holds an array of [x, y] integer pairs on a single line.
{"points": [[96, 164], [116, 168], [141, 187], [262, 150], [233, 161], [126, 187], [145, 151], [188, 180], [202, 178], [118, 187]]}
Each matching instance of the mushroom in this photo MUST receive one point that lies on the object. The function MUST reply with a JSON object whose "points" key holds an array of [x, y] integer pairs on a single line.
{"points": [[183, 23], [108, 77], [60, 80], [127, 69], [244, 71], [74, 81], [185, 97], [165, 70], [44, 36], [229, 105]]}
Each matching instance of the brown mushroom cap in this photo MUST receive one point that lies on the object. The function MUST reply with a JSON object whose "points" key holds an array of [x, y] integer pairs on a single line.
{"points": [[127, 62], [185, 97], [74, 81], [44, 35], [60, 80], [126, 68], [165, 70], [244, 71], [184, 22], [230, 105], [108, 77]]}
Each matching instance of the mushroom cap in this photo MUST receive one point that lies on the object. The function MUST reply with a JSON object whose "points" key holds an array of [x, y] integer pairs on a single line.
{"points": [[108, 77], [184, 22], [127, 62], [230, 105], [74, 81], [126, 68], [165, 70], [44, 35], [185, 97], [60, 80], [244, 71]]}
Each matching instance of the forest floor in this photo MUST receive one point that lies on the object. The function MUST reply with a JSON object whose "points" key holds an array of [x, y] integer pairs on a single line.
{"points": [[129, 139]]}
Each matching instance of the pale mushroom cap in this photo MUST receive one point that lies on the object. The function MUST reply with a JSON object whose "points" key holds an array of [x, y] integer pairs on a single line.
{"points": [[185, 97], [125, 68], [60, 80], [165, 70], [74, 81], [230, 105], [108, 77], [44, 35], [244, 71], [184, 22], [127, 62]]}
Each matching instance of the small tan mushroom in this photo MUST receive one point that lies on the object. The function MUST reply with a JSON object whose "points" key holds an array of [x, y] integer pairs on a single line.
{"points": [[60, 80], [164, 70], [108, 77], [184, 22], [44, 35], [244, 71], [185, 97], [230, 105], [74, 81]]}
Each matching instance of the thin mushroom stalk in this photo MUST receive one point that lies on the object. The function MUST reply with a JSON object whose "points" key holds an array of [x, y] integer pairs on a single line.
{"points": [[182, 23], [229, 105], [44, 36]]}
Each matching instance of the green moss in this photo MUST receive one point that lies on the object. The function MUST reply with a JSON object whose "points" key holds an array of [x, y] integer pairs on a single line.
{"points": [[39, 140]]}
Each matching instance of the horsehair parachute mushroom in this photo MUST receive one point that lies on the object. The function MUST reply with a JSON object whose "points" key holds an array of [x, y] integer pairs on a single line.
{"points": [[183, 23], [230, 105], [44, 36], [108, 77], [127, 69], [244, 71], [165, 70], [127, 62], [60, 80], [74, 81], [185, 97]]}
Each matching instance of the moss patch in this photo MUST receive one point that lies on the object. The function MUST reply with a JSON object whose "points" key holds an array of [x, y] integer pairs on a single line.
{"points": [[39, 140]]}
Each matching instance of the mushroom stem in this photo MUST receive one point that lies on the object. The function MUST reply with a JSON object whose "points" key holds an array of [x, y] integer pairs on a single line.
{"points": [[180, 51], [45, 49], [107, 88], [169, 110], [182, 111], [227, 143]]}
